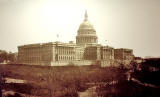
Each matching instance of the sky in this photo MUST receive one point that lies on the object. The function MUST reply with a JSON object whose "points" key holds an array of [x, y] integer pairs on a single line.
{"points": [[133, 24]]}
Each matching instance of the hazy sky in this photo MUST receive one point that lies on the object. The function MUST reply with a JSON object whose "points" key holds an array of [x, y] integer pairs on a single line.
{"points": [[131, 24]]}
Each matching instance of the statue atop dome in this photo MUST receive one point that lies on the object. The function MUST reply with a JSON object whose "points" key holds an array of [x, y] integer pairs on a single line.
{"points": [[86, 16]]}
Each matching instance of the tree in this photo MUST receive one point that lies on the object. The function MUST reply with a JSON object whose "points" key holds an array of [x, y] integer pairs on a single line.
{"points": [[3, 56], [134, 65], [11, 57]]}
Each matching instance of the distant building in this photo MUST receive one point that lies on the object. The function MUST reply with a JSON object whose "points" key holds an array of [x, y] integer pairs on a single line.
{"points": [[123, 56], [86, 51]]}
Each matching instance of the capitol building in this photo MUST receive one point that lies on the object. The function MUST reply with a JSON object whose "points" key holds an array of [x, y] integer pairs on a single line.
{"points": [[86, 51]]}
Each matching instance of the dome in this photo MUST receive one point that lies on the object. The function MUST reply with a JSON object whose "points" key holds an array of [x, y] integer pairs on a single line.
{"points": [[86, 25], [86, 33]]}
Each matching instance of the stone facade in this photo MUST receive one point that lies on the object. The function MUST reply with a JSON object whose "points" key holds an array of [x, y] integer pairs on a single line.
{"points": [[36, 54], [86, 51], [48, 53]]}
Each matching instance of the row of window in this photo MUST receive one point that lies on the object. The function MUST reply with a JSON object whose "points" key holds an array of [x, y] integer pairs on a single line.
{"points": [[66, 57]]}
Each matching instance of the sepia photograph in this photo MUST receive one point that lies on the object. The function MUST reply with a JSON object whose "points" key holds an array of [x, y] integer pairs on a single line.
{"points": [[79, 48]]}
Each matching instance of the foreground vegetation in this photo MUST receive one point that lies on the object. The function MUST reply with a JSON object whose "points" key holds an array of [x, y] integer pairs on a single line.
{"points": [[59, 81], [45, 81], [127, 89]]}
